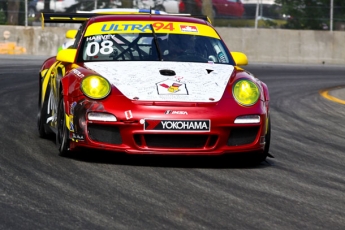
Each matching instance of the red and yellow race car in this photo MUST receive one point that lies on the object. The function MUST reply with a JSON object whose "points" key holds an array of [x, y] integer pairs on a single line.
{"points": [[152, 84]]}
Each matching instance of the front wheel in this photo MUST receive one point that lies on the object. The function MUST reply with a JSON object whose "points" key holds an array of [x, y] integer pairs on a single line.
{"points": [[262, 156], [42, 117], [62, 136], [268, 138]]}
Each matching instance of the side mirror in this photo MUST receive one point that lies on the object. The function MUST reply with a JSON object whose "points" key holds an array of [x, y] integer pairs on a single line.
{"points": [[71, 34], [240, 58], [67, 55]]}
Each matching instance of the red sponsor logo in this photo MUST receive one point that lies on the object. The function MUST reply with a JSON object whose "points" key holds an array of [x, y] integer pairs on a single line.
{"points": [[128, 114]]}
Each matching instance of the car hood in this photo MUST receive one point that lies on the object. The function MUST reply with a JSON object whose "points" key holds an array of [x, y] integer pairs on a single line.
{"points": [[166, 81]]}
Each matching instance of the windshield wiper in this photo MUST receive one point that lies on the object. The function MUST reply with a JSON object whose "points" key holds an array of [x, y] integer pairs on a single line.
{"points": [[156, 42]]}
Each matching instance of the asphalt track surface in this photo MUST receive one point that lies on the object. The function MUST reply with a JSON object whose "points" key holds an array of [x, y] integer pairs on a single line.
{"points": [[303, 187]]}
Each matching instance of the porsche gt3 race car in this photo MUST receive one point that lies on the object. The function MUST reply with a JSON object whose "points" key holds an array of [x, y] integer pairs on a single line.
{"points": [[152, 84]]}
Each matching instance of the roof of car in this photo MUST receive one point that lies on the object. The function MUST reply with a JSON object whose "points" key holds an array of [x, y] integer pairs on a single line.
{"points": [[96, 17], [147, 17], [123, 11]]}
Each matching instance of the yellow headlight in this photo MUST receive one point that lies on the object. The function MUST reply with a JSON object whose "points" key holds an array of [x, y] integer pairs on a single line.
{"points": [[246, 92], [95, 87]]}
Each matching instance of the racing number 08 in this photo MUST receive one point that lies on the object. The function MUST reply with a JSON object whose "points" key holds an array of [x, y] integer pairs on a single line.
{"points": [[93, 48], [106, 47]]}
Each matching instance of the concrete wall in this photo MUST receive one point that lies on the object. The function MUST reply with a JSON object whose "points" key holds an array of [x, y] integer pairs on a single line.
{"points": [[35, 40], [260, 45], [287, 46]]}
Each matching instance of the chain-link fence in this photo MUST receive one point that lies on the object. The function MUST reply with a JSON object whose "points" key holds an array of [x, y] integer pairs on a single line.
{"points": [[288, 14]]}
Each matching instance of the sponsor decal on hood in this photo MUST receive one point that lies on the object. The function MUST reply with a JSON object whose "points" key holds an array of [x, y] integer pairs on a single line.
{"points": [[193, 82], [177, 125]]}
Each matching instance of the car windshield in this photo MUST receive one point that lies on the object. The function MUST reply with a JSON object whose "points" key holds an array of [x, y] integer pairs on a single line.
{"points": [[154, 47]]}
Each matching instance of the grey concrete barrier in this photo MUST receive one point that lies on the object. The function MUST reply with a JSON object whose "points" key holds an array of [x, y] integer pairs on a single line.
{"points": [[260, 45], [31, 40], [287, 46]]}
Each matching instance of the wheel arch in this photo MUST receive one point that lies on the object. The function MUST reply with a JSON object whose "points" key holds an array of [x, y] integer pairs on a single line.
{"points": [[265, 90], [64, 91]]}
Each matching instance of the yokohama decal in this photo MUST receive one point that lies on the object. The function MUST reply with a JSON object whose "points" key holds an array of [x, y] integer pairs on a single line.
{"points": [[178, 125]]}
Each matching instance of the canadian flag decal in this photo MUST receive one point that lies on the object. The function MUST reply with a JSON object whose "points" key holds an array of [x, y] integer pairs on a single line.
{"points": [[189, 28]]}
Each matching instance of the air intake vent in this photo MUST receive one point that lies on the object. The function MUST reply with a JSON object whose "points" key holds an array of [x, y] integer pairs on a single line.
{"points": [[175, 141], [242, 136], [105, 134], [167, 72]]}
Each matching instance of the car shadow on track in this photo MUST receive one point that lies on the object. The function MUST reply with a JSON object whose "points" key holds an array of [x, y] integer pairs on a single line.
{"points": [[227, 161]]}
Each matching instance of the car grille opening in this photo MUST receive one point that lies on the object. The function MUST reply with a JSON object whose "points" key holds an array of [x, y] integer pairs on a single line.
{"points": [[242, 136], [105, 134], [176, 140]]}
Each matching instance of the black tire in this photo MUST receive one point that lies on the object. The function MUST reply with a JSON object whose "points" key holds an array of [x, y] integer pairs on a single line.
{"points": [[256, 158], [62, 136], [262, 156], [268, 138], [42, 116]]}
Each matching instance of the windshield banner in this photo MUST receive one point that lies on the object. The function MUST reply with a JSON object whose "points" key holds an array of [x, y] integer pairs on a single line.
{"points": [[126, 27]]}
